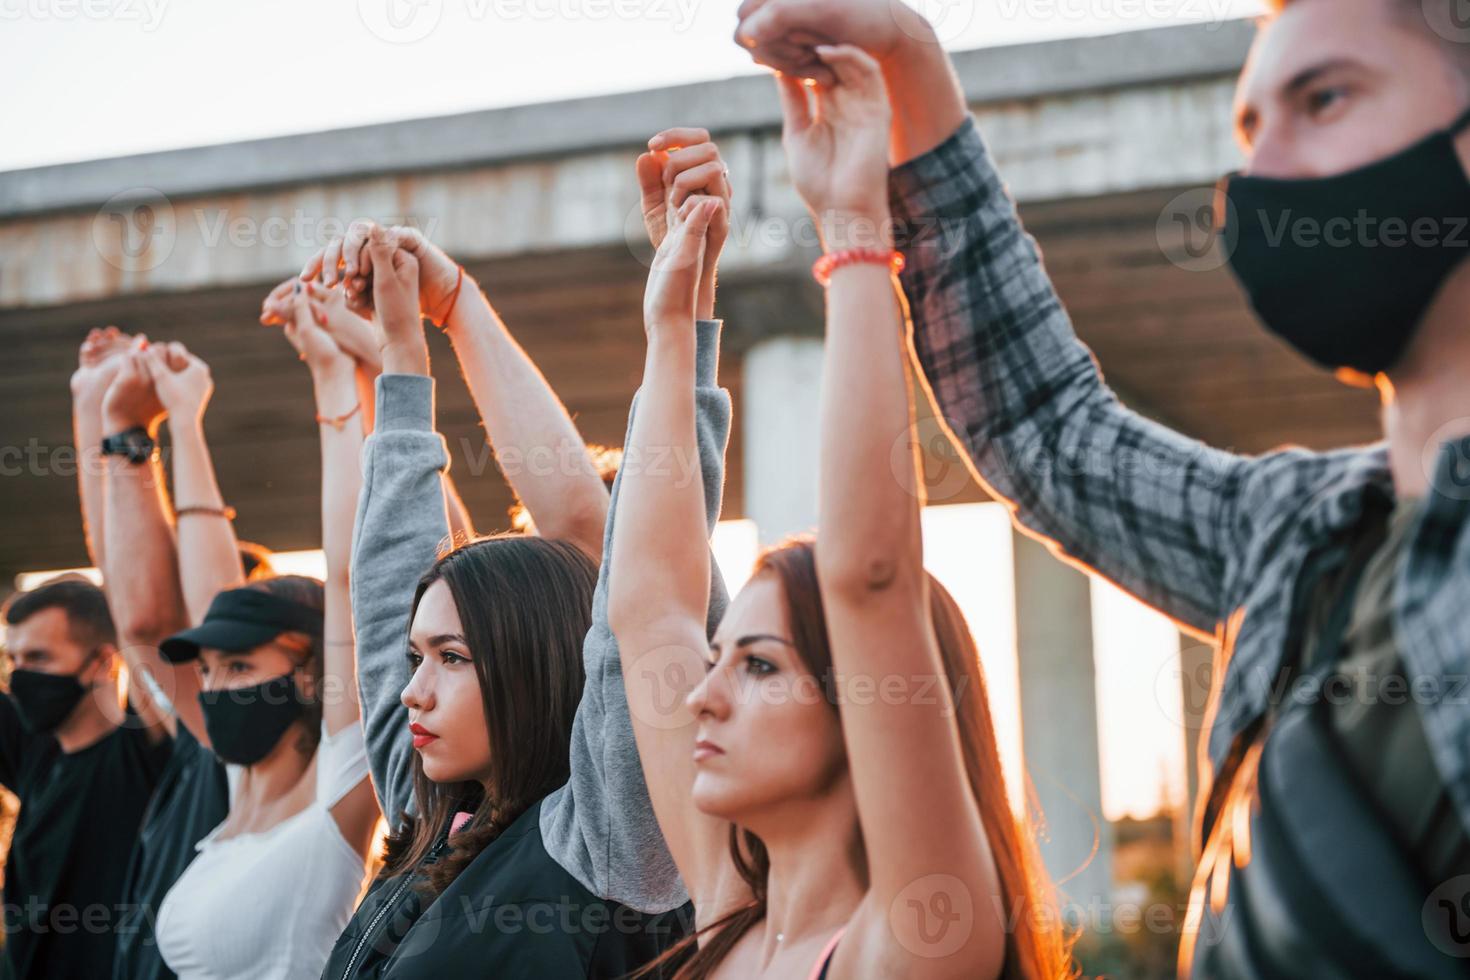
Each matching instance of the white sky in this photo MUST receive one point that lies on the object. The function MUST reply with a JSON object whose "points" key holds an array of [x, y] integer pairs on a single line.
{"points": [[97, 78]]}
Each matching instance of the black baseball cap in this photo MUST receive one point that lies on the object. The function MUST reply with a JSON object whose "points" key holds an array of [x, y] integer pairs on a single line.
{"points": [[239, 620]]}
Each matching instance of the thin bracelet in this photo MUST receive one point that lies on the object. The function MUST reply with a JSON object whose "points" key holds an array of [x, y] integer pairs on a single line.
{"points": [[227, 512], [339, 421], [823, 268], [453, 299]]}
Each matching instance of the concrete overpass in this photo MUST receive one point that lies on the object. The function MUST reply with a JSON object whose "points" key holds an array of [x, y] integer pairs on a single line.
{"points": [[1110, 144]]}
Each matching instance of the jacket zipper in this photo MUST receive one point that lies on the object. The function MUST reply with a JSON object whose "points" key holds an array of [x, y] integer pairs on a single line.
{"points": [[384, 909]]}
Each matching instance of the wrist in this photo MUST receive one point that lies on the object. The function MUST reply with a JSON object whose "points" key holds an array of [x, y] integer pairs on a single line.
{"points": [[331, 371], [867, 226], [915, 43], [666, 337], [409, 356], [114, 423]]}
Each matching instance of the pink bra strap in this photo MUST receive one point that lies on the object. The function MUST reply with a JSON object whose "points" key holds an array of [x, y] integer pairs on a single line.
{"points": [[821, 968]]}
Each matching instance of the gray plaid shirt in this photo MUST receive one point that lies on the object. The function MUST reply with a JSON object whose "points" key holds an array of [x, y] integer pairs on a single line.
{"points": [[1220, 542]]}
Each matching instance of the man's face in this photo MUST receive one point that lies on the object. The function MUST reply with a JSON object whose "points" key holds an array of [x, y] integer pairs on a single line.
{"points": [[1332, 85], [44, 643]]}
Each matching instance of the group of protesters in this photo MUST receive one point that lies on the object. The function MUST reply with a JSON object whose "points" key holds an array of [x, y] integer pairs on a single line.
{"points": [[565, 752]]}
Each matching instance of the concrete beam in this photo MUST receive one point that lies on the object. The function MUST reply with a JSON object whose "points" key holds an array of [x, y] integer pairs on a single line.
{"points": [[500, 136]]}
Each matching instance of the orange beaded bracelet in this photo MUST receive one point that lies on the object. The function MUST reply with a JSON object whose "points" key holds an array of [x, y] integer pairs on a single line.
{"points": [[823, 268]]}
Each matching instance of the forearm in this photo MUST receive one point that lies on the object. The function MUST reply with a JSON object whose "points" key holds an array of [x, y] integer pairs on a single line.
{"points": [[87, 435], [928, 102], [659, 567], [536, 443], [142, 572], [400, 525], [600, 825], [341, 447], [869, 528], [209, 552], [1149, 508], [144, 594]]}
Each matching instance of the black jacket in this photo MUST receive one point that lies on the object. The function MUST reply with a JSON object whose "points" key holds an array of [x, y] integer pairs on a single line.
{"points": [[513, 913]]}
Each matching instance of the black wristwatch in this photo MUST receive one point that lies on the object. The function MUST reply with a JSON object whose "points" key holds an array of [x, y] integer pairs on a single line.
{"points": [[135, 445]]}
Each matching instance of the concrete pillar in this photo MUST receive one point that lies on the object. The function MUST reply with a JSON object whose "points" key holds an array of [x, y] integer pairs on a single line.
{"points": [[1196, 664], [1059, 725], [781, 387]]}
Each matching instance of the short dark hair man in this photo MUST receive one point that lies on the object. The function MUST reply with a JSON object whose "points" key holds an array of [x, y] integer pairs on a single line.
{"points": [[83, 767]]}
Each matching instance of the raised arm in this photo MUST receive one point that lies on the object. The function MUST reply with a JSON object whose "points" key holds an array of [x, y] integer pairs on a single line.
{"points": [[536, 443], [357, 336], [98, 361], [340, 424], [659, 574], [601, 825], [141, 569], [400, 526], [918, 813], [1160, 514], [209, 552]]}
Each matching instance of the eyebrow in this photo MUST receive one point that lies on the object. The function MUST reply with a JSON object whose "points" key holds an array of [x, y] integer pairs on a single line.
{"points": [[440, 639], [1245, 122], [750, 638]]}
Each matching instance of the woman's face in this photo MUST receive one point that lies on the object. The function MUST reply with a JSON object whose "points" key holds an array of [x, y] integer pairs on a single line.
{"points": [[445, 711], [766, 735], [222, 670]]}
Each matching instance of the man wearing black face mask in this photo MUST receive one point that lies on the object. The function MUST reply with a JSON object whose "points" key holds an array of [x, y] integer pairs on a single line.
{"points": [[1333, 829], [83, 768]]}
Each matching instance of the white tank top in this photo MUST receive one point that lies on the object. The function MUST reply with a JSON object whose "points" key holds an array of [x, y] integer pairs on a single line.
{"points": [[270, 905]]}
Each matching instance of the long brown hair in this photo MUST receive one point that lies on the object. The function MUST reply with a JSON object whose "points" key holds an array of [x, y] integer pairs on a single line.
{"points": [[1036, 945], [526, 606]]}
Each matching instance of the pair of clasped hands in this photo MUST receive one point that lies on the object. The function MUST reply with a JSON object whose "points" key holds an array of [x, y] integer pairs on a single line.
{"points": [[828, 55]]}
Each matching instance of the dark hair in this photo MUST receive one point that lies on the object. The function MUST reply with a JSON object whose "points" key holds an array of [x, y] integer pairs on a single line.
{"points": [[1036, 945], [255, 560], [308, 592], [89, 622], [526, 605]]}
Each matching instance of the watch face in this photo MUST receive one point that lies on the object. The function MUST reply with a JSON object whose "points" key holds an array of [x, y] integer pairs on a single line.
{"points": [[135, 445]]}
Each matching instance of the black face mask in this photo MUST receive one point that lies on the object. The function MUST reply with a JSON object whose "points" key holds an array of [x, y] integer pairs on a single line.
{"points": [[245, 723], [45, 700], [1343, 268]]}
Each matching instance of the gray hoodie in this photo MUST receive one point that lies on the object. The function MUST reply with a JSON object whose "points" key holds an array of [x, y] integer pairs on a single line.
{"points": [[600, 825]]}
